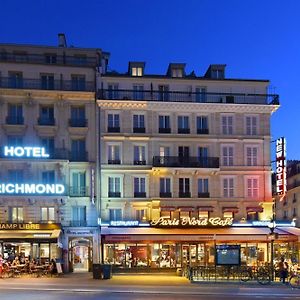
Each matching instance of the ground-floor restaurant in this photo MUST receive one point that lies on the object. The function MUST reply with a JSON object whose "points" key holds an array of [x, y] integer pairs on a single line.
{"points": [[39, 242], [140, 248]]}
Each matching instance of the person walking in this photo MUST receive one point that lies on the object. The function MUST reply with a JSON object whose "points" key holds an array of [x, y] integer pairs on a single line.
{"points": [[283, 270]]}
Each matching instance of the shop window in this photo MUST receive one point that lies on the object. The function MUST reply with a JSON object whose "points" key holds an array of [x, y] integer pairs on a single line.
{"points": [[44, 252], [228, 214], [120, 254], [165, 214]]}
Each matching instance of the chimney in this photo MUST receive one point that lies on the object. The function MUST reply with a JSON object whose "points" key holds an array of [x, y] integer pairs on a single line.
{"points": [[62, 42]]}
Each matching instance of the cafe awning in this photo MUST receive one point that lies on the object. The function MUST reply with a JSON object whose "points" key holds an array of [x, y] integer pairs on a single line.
{"points": [[231, 209], [186, 208], [168, 208], [254, 209], [205, 208]]}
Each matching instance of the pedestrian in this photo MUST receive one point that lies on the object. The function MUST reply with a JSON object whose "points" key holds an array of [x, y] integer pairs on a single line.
{"points": [[283, 269]]}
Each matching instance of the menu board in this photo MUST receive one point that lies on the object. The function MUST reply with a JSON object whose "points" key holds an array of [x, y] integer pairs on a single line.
{"points": [[228, 255]]}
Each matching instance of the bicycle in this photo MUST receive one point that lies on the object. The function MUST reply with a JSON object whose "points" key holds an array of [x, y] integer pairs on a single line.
{"points": [[295, 280], [261, 274]]}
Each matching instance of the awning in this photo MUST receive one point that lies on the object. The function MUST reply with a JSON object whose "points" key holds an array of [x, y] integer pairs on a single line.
{"points": [[254, 209], [231, 209], [186, 208], [205, 208], [29, 235], [168, 208]]}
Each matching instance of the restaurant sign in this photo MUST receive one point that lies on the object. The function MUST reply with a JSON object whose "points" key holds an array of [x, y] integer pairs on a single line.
{"points": [[192, 222], [281, 166], [28, 226]]}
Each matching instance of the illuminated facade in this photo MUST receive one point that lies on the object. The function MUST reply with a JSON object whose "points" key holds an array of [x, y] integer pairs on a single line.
{"points": [[48, 152]]}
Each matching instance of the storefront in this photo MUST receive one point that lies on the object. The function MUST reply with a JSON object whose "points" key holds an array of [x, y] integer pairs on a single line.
{"points": [[33, 241], [166, 248]]}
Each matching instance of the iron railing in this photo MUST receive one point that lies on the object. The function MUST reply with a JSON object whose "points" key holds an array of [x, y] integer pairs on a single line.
{"points": [[186, 162]]}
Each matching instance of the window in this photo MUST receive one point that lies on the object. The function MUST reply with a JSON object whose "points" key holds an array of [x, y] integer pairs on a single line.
{"points": [[217, 74], [113, 92], [138, 92], [201, 94], [15, 114], [203, 214], [114, 154], [15, 80], [47, 81], [141, 214], [14, 140], [80, 59], [183, 124], [139, 184], [228, 187], [78, 216], [227, 155], [252, 187], [184, 187], [163, 93], [251, 125], [202, 125], [15, 215], [203, 156], [203, 191], [78, 152], [78, 82], [115, 214], [50, 59], [177, 72], [139, 123], [228, 214], [139, 155], [285, 214], [48, 177], [78, 187], [251, 153], [294, 212], [136, 71], [78, 116], [47, 115], [165, 187], [48, 144], [164, 124], [113, 123], [47, 214], [15, 175], [183, 152], [227, 125], [164, 155], [114, 187]]}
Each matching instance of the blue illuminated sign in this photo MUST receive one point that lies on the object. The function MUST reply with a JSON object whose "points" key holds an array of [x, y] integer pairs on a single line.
{"points": [[29, 152], [31, 189]]}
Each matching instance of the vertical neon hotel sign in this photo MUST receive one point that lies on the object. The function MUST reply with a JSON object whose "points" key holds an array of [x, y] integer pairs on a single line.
{"points": [[281, 166]]}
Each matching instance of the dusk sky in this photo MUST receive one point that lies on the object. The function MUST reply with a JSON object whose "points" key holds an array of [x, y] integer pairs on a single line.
{"points": [[256, 39]]}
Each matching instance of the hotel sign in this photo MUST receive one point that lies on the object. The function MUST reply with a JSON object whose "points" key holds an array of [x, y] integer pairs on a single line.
{"points": [[31, 189], [192, 222], [28, 226], [26, 152], [280, 166]]}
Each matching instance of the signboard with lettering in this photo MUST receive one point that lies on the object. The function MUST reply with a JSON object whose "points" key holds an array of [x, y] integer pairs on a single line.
{"points": [[25, 152], [280, 166], [192, 222], [28, 226], [31, 189]]}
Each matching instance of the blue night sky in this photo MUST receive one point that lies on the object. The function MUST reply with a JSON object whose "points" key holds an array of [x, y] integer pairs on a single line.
{"points": [[257, 39]]}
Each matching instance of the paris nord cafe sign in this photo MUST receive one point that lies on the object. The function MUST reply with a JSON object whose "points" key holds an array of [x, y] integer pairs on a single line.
{"points": [[191, 222]]}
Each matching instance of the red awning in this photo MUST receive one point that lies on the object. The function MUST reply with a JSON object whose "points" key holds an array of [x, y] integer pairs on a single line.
{"points": [[231, 209], [205, 208], [186, 208], [168, 208], [255, 209]]}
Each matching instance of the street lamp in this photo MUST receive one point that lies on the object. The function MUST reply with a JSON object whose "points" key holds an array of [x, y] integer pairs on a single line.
{"points": [[272, 237]]}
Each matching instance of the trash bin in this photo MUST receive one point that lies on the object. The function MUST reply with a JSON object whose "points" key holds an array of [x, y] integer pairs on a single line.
{"points": [[97, 270], [106, 271]]}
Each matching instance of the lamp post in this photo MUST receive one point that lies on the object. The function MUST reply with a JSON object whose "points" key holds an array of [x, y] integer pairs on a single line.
{"points": [[272, 238]]}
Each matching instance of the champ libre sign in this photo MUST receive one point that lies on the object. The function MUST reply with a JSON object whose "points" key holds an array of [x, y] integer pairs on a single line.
{"points": [[192, 222]]}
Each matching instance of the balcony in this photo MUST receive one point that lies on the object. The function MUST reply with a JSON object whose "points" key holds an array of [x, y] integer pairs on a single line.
{"points": [[139, 162], [114, 161], [185, 162], [114, 194], [59, 154], [139, 194], [14, 120], [164, 130], [165, 195], [78, 223], [45, 59], [184, 194], [179, 96], [184, 130], [202, 131], [79, 191], [78, 122], [78, 156], [113, 129], [46, 121], [203, 195], [139, 129], [38, 84]]}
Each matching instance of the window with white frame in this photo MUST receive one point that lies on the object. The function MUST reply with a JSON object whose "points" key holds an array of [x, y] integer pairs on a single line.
{"points": [[201, 94], [227, 124], [115, 214], [139, 186], [183, 123], [141, 214], [184, 187], [137, 71], [139, 155], [113, 122], [164, 124], [252, 187], [203, 190], [113, 154], [138, 122], [228, 187], [15, 214], [138, 92], [251, 155], [165, 187], [47, 214], [227, 155], [114, 187], [251, 124], [202, 125]]}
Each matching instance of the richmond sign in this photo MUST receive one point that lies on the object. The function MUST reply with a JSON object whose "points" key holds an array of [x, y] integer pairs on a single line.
{"points": [[192, 222]]}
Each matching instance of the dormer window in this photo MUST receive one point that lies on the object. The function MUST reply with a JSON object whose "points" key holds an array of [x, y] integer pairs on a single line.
{"points": [[177, 73], [137, 71], [217, 74]]}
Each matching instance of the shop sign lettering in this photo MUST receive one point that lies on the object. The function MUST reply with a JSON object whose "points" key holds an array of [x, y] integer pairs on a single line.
{"points": [[280, 166], [28, 152], [28, 226], [31, 189], [192, 222]]}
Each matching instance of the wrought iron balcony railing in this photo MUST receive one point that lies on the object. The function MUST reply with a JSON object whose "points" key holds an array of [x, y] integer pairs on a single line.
{"points": [[14, 120], [179, 96], [186, 162], [79, 191], [78, 122]]}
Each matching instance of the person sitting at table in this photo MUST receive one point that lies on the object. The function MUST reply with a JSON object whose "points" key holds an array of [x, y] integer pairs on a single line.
{"points": [[16, 261]]}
